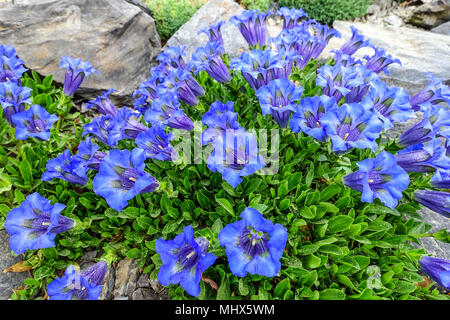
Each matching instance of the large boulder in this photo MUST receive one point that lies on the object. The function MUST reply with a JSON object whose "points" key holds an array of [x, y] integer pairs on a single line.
{"points": [[419, 51], [9, 280], [431, 13], [118, 37], [442, 28], [211, 13]]}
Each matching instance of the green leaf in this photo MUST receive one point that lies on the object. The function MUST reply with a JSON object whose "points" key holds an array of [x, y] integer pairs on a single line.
{"points": [[133, 253], [284, 204], [329, 192], [339, 223], [26, 172], [5, 181], [281, 288], [243, 287], [306, 213], [332, 294], [224, 203]]}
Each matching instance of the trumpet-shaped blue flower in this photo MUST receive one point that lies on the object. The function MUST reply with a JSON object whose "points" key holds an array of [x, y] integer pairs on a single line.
{"points": [[308, 114], [214, 34], [218, 118], [208, 59], [8, 51], [173, 56], [337, 81], [356, 42], [380, 61], [76, 71], [35, 223], [352, 126], [259, 67], [121, 177], [13, 99], [156, 144], [11, 69], [184, 259], [420, 158], [380, 178], [434, 93], [365, 78], [34, 122], [67, 168], [146, 93], [441, 179], [437, 269], [179, 78], [252, 25], [325, 33], [128, 124], [89, 155], [345, 59], [436, 122], [235, 155], [279, 98], [437, 201], [101, 128], [253, 244], [291, 17], [103, 104], [75, 286], [390, 103], [165, 111]]}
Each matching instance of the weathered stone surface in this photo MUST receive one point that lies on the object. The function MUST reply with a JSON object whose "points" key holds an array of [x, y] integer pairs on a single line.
{"points": [[438, 222], [394, 20], [116, 36], [420, 52], [126, 276], [108, 284], [431, 13], [442, 29], [9, 280], [211, 13]]}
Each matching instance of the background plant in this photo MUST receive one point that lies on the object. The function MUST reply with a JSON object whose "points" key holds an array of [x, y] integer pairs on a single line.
{"points": [[327, 11]]}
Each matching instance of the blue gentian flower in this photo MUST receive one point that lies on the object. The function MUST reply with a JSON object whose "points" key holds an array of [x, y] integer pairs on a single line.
{"points": [[258, 66], [101, 128], [11, 69], [180, 77], [103, 105], [352, 126], [436, 122], [208, 59], [13, 99], [308, 114], [67, 168], [8, 51], [35, 223], [390, 103], [218, 118], [214, 34], [235, 155], [252, 25], [76, 286], [441, 180], [420, 158], [337, 81], [34, 122], [438, 201], [291, 16], [435, 92], [173, 56], [121, 177], [156, 144], [253, 244], [89, 155], [345, 59], [145, 94], [127, 125], [380, 178], [76, 71], [165, 111], [325, 33], [184, 259], [356, 42], [380, 61], [437, 269], [365, 78], [279, 98]]}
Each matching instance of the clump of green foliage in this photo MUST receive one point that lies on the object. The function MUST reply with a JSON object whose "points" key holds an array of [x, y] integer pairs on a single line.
{"points": [[262, 5], [327, 11], [170, 15]]}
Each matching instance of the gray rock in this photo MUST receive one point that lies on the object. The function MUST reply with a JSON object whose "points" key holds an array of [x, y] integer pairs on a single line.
{"points": [[144, 281], [108, 284], [144, 294], [393, 20], [116, 36], [373, 10], [419, 51], [438, 222], [211, 13], [126, 276], [442, 29], [431, 14], [9, 280]]}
